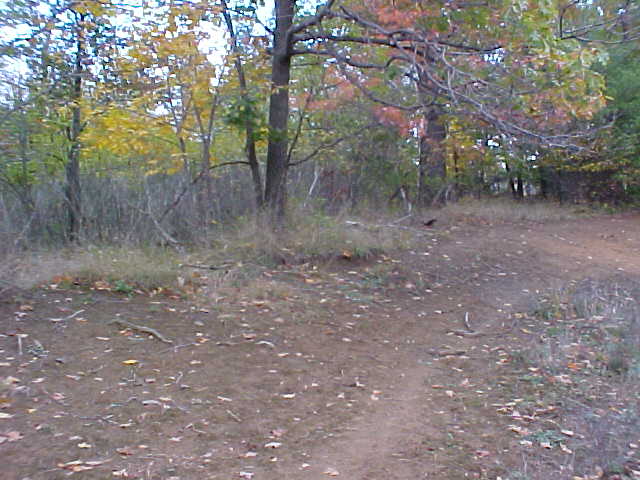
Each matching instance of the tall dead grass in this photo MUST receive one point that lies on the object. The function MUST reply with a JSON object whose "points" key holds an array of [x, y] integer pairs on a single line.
{"points": [[498, 210], [233, 253]]}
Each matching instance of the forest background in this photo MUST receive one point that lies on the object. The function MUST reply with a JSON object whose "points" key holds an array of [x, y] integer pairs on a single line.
{"points": [[164, 122]]}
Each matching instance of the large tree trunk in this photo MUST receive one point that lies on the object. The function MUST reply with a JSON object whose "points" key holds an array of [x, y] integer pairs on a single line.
{"points": [[432, 167], [72, 168], [276, 176]]}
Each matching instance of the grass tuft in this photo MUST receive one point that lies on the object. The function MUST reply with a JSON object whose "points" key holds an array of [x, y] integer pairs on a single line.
{"points": [[307, 237], [127, 268]]}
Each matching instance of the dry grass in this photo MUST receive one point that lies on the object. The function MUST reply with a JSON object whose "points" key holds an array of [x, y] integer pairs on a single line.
{"points": [[587, 365], [497, 210], [147, 268], [238, 253], [243, 248], [308, 236], [136, 267]]}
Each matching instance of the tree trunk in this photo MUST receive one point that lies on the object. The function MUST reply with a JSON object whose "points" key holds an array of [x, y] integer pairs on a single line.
{"points": [[432, 166], [276, 176], [72, 168], [512, 183], [250, 143], [520, 187], [205, 192]]}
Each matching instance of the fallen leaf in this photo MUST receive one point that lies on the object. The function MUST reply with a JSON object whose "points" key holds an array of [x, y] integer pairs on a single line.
{"points": [[14, 436], [565, 449], [125, 451], [100, 285]]}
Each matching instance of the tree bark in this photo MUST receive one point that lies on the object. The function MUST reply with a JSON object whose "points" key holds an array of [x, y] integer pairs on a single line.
{"points": [[275, 193], [432, 166], [73, 194], [250, 142]]}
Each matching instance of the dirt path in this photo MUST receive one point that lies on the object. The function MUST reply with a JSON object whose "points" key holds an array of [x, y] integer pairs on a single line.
{"points": [[361, 372], [538, 257]]}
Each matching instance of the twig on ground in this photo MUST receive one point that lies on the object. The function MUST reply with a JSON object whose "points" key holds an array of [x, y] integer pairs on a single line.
{"points": [[447, 353], [234, 416], [466, 322], [177, 347], [143, 329], [402, 218], [68, 317], [224, 266], [468, 332]]}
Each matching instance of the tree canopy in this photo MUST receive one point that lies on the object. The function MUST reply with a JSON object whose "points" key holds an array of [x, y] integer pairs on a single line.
{"points": [[189, 105]]}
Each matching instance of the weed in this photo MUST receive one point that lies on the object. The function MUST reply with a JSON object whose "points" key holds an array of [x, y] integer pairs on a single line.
{"points": [[122, 287], [545, 436]]}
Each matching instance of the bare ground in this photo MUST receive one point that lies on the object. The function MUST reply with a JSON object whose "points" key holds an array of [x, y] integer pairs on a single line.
{"points": [[393, 368]]}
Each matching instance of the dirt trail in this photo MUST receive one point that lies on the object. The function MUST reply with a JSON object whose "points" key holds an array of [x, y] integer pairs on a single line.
{"points": [[538, 257], [360, 372]]}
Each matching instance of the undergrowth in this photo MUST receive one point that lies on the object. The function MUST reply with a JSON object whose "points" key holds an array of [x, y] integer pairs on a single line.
{"points": [[585, 368], [234, 253], [497, 210]]}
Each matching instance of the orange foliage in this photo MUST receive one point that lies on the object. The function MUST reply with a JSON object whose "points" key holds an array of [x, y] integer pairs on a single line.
{"points": [[394, 117]]}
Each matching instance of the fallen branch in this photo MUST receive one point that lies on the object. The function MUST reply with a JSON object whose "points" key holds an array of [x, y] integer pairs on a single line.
{"points": [[68, 317], [141, 328], [468, 332], [234, 416], [447, 353], [224, 266]]}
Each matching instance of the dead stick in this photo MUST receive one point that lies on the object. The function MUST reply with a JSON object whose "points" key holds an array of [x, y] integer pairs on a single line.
{"points": [[142, 328]]}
